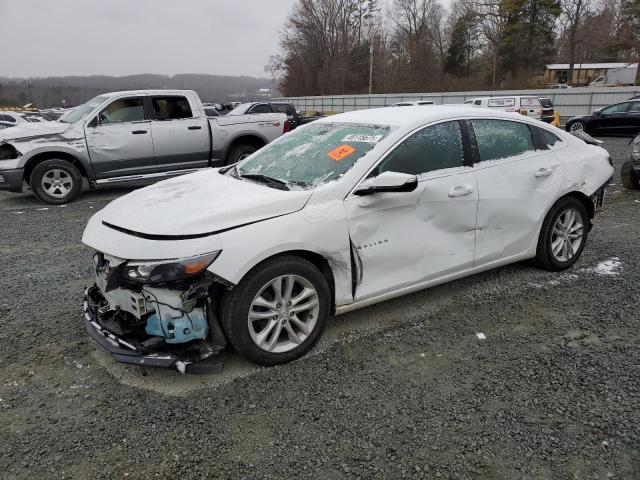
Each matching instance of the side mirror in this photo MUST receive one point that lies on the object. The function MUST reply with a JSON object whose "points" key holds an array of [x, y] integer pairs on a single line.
{"points": [[388, 182], [597, 112]]}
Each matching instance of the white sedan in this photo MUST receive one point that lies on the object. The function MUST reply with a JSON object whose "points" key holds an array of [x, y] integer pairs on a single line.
{"points": [[342, 213]]}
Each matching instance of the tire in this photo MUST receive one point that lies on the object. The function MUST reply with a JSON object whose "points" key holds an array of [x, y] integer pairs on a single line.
{"points": [[577, 125], [249, 297], [547, 256], [67, 176], [630, 179], [240, 152]]}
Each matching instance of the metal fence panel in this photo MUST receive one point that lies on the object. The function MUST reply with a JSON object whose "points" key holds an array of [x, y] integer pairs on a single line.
{"points": [[570, 101]]}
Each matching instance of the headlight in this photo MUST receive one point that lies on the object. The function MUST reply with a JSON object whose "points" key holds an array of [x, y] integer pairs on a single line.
{"points": [[169, 270]]}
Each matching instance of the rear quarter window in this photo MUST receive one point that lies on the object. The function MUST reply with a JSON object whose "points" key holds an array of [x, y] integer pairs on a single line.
{"points": [[500, 139]]}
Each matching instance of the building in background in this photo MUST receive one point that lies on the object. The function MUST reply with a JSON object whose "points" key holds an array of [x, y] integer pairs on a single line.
{"points": [[585, 73]]}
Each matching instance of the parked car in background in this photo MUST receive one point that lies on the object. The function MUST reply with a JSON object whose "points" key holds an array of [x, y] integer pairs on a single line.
{"points": [[211, 112], [126, 136], [331, 218], [548, 111], [411, 104], [630, 170], [618, 119], [308, 117], [526, 105], [269, 107], [13, 117]]}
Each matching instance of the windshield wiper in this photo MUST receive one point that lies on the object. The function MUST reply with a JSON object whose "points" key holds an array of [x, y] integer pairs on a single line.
{"points": [[274, 182]]}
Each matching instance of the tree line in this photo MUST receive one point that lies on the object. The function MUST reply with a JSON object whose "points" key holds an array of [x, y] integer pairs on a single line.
{"points": [[329, 46]]}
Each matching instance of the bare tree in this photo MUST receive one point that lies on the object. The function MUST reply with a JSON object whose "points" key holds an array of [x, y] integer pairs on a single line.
{"points": [[572, 17]]}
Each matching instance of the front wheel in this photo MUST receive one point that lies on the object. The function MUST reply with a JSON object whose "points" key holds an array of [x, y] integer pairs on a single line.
{"points": [[56, 181], [563, 235], [278, 311], [577, 126]]}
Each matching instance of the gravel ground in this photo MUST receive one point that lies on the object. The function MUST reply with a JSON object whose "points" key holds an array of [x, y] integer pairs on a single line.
{"points": [[404, 389]]}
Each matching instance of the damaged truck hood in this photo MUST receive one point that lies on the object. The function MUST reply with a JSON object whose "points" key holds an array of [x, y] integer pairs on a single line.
{"points": [[199, 204], [26, 132]]}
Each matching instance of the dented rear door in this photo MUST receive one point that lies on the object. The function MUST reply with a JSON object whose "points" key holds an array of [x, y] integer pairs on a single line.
{"points": [[404, 238], [517, 184]]}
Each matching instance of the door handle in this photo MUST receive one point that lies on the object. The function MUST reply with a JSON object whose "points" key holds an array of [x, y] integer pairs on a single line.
{"points": [[544, 172], [195, 127], [139, 132], [460, 190]]}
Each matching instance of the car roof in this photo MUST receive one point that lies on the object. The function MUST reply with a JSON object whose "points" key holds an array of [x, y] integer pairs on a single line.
{"points": [[147, 92], [416, 116]]}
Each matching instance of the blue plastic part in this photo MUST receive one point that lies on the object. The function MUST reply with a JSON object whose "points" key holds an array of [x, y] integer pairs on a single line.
{"points": [[178, 330]]}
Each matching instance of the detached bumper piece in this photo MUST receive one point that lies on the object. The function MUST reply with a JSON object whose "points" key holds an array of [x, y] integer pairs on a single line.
{"points": [[152, 352]]}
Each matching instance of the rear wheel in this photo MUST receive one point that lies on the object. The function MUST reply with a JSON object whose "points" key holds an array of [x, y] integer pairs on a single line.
{"points": [[56, 181], [630, 179], [563, 235], [240, 152], [278, 311]]}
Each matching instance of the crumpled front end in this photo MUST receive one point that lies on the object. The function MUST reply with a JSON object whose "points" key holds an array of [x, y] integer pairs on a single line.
{"points": [[155, 313]]}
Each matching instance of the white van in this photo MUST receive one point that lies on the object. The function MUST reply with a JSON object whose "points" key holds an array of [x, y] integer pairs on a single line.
{"points": [[520, 104]]}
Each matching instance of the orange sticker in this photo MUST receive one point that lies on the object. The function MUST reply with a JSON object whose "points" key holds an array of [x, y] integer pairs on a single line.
{"points": [[340, 152]]}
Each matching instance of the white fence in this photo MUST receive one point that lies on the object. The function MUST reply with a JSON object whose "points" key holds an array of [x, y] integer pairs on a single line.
{"points": [[569, 102]]}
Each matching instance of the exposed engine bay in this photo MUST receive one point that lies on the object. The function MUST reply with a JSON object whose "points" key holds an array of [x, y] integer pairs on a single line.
{"points": [[166, 324]]}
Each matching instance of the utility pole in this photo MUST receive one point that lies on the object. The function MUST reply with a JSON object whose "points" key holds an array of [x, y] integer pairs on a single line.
{"points": [[371, 67], [29, 88]]}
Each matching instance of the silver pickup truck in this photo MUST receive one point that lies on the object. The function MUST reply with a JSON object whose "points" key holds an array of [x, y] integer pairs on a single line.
{"points": [[127, 136]]}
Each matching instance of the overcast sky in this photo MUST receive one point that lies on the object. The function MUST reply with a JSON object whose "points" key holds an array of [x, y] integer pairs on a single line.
{"points": [[121, 37]]}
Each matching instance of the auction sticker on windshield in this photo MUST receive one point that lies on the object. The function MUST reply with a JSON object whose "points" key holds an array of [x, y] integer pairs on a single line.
{"points": [[341, 152], [363, 138]]}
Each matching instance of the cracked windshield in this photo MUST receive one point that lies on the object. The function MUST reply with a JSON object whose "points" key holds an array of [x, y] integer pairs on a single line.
{"points": [[315, 154]]}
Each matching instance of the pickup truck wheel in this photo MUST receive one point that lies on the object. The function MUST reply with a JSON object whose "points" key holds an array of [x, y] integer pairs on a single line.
{"points": [[630, 179], [563, 235], [240, 152], [278, 311], [56, 181]]}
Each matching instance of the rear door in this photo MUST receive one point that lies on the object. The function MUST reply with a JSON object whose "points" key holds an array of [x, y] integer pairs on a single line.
{"points": [[181, 137], [119, 139], [531, 107], [518, 179]]}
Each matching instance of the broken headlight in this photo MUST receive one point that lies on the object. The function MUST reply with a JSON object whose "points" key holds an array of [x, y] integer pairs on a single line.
{"points": [[169, 270]]}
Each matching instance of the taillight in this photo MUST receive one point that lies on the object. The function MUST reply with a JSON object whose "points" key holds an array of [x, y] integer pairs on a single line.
{"points": [[286, 128]]}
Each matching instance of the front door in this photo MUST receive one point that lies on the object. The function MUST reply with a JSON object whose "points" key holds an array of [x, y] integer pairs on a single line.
{"points": [[402, 239], [517, 184], [120, 143], [613, 119], [180, 139]]}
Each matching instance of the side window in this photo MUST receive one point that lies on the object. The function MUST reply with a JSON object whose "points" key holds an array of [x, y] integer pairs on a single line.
{"points": [[432, 148], [478, 102], [279, 107], [635, 107], [545, 138], [8, 118], [501, 138], [618, 108], [171, 108], [123, 110], [260, 108]]}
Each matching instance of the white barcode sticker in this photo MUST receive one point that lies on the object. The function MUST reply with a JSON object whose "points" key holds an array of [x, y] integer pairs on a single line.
{"points": [[362, 138]]}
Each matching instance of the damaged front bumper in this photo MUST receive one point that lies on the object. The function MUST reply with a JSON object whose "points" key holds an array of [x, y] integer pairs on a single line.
{"points": [[153, 352]]}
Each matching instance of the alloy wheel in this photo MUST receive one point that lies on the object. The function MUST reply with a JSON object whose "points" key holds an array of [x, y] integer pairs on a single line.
{"points": [[577, 126], [283, 313], [567, 234], [57, 183]]}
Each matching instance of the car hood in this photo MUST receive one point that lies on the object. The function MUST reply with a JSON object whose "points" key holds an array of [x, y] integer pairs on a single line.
{"points": [[32, 131], [199, 204]]}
